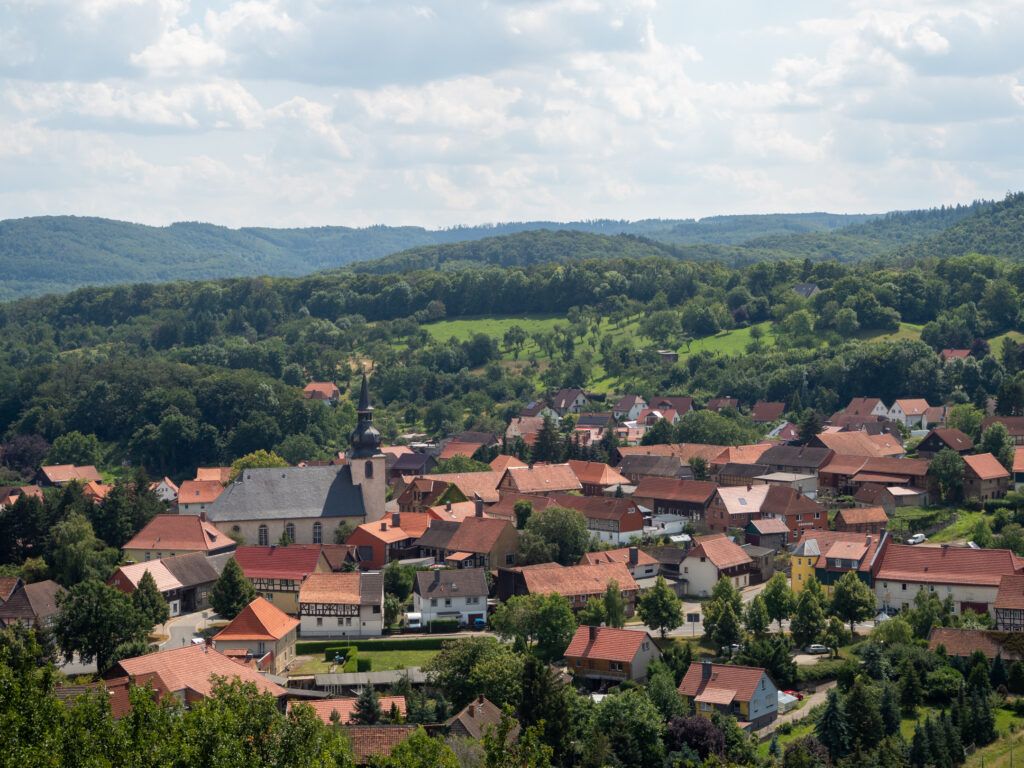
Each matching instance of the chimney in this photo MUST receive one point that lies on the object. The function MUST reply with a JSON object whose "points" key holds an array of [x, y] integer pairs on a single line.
{"points": [[448, 506], [480, 699], [634, 556], [202, 515], [478, 505], [396, 520], [867, 539], [383, 525], [705, 670], [471, 710], [593, 632]]}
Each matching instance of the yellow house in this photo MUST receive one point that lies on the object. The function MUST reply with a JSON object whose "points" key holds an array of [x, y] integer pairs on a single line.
{"points": [[169, 535], [827, 555], [747, 693]]}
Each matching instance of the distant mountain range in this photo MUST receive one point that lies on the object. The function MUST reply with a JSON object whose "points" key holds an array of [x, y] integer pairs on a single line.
{"points": [[58, 253]]}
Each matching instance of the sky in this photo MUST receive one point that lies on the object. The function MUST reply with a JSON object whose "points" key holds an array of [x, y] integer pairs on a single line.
{"points": [[438, 113]]}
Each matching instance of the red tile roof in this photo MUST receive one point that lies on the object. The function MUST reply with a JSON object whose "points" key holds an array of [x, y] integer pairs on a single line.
{"points": [[346, 706], [620, 555], [861, 516], [824, 541], [551, 578], [670, 489], [861, 406], [770, 525], [964, 642], [782, 500], [199, 491], [259, 620], [596, 473], [953, 438], [331, 588], [7, 586], [1011, 592], [742, 681], [764, 412], [321, 390], [376, 740], [985, 466], [179, 532], [1018, 459], [503, 461], [542, 478], [191, 668], [296, 561], [952, 354], [721, 551], [853, 444], [459, 448], [213, 474], [478, 535], [484, 484], [606, 644], [742, 454], [947, 565], [66, 473]]}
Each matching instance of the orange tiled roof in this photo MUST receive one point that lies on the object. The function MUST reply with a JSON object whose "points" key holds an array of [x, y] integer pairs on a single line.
{"points": [[671, 489], [179, 532], [720, 550], [620, 555], [947, 565], [913, 406], [964, 642], [331, 588], [606, 644], [596, 473], [66, 473], [324, 390], [296, 561], [742, 681], [213, 474], [478, 535], [346, 706], [191, 668], [459, 448], [1011, 592], [543, 478], [259, 620], [551, 578], [484, 484], [456, 512], [743, 454], [862, 516], [767, 411], [370, 741], [199, 491], [1018, 459], [985, 466], [853, 444], [770, 525], [503, 461]]}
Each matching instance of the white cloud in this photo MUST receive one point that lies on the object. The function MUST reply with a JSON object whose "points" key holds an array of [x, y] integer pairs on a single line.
{"points": [[440, 112]]}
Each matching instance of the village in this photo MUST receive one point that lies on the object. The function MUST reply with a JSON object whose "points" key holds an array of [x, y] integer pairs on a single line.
{"points": [[346, 580]]}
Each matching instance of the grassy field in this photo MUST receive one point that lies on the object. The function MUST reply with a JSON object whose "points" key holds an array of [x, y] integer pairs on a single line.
{"points": [[379, 661], [729, 342], [961, 529], [801, 729]]}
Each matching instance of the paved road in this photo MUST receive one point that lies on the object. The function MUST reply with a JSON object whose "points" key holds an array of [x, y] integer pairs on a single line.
{"points": [[181, 629]]}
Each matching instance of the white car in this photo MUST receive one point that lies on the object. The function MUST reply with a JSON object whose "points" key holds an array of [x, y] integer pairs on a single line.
{"points": [[816, 648], [917, 538]]}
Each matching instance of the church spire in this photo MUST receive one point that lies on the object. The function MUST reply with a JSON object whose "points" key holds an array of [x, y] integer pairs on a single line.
{"points": [[364, 398], [365, 438]]}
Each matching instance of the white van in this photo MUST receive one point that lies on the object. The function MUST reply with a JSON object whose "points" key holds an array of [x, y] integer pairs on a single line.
{"points": [[917, 538]]}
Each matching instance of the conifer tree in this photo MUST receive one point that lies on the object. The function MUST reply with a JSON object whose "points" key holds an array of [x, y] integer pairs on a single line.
{"points": [[890, 710], [997, 675], [367, 710], [232, 592], [149, 602], [614, 606], [920, 748], [954, 746], [863, 718], [911, 694], [832, 729]]}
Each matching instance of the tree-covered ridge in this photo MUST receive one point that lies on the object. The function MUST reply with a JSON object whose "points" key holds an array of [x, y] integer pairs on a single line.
{"points": [[995, 231], [59, 253]]}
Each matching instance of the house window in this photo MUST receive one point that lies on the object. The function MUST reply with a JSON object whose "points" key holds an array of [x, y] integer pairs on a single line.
{"points": [[368, 471], [376, 609], [318, 533], [264, 536], [289, 531], [433, 602], [319, 621], [340, 622], [817, 515], [472, 600], [903, 587], [510, 558], [447, 602]]}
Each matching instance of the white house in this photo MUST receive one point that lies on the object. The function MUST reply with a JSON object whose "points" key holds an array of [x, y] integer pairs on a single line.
{"points": [[342, 605], [711, 558], [628, 408], [911, 413], [459, 594]]}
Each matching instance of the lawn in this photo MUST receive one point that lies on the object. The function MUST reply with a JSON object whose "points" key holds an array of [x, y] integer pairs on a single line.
{"points": [[729, 342], [960, 529], [1004, 719], [906, 331], [379, 661], [800, 729]]}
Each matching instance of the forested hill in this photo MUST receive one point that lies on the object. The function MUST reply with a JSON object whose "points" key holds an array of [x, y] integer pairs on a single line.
{"points": [[58, 253], [997, 230]]}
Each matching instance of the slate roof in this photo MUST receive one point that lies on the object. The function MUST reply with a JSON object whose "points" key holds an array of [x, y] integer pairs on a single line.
{"points": [[259, 620], [721, 551], [985, 466], [297, 492], [606, 644], [651, 466], [31, 602], [191, 667], [438, 534], [750, 471], [411, 463], [451, 582], [193, 568], [805, 457], [174, 532]]}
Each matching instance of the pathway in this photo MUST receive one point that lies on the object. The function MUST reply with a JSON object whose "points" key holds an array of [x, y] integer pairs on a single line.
{"points": [[809, 703]]}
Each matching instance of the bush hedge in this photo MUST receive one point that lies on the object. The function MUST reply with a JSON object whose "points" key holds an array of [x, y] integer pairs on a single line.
{"points": [[349, 652], [824, 670], [362, 665], [309, 647]]}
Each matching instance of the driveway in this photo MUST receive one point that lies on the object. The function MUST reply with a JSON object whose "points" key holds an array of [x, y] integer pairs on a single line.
{"points": [[181, 629], [809, 703]]}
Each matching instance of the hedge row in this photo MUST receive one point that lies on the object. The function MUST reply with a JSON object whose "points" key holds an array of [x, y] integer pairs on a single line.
{"points": [[309, 647], [348, 652], [444, 625]]}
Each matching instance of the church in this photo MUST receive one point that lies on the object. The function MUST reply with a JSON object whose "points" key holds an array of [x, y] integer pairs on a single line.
{"points": [[307, 504]]}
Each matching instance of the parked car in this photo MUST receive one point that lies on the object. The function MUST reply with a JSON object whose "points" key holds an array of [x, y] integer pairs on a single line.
{"points": [[917, 538], [816, 648], [799, 696]]}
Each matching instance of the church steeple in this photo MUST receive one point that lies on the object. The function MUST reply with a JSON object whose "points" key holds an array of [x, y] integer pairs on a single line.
{"points": [[365, 438]]}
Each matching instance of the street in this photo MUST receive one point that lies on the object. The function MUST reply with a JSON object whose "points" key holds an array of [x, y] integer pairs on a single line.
{"points": [[181, 629]]}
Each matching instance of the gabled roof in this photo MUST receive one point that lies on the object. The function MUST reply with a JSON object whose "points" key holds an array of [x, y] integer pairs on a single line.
{"points": [[259, 620], [680, 404], [947, 565], [862, 406], [743, 454], [861, 516], [194, 568], [184, 532], [542, 478], [985, 466], [438, 534], [370, 741], [596, 473], [191, 668], [452, 512], [411, 525], [749, 471], [220, 475], [782, 500], [851, 546], [670, 489], [346, 707], [552, 578], [807, 457], [1011, 592], [624, 510], [31, 602], [620, 555], [720, 551], [1014, 424], [743, 500], [458, 582], [594, 420], [951, 438], [742, 682], [132, 574], [955, 354], [199, 491], [653, 466], [606, 644], [964, 642], [478, 535], [321, 390], [564, 398], [765, 412], [296, 561], [66, 473], [478, 717], [718, 403], [854, 444], [626, 403], [503, 461], [299, 492], [8, 585], [459, 448], [915, 406], [331, 588], [769, 525], [484, 484], [411, 463]]}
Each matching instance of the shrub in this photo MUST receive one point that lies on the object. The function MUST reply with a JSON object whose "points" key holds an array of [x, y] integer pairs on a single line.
{"points": [[362, 664], [444, 625], [348, 652], [832, 669], [306, 647]]}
